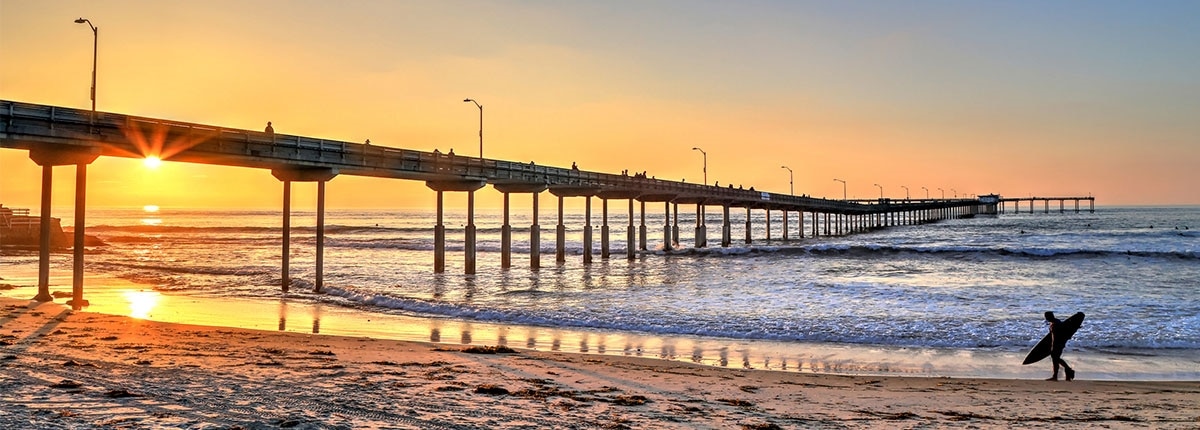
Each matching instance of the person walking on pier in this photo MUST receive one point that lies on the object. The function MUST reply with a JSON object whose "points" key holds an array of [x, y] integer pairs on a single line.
{"points": [[269, 129], [1058, 341]]}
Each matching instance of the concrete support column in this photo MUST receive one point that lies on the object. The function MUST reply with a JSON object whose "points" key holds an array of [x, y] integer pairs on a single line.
{"points": [[469, 240], [535, 238], [629, 235], [505, 239], [320, 279], [287, 234], [701, 229], [768, 224], [827, 233], [604, 253], [785, 224], [726, 229], [748, 225], [816, 224], [667, 227], [800, 223], [439, 239], [560, 241], [587, 230], [642, 229], [43, 294], [675, 229], [77, 302]]}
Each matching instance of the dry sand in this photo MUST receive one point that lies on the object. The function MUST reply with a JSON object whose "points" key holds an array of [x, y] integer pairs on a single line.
{"points": [[68, 369]]}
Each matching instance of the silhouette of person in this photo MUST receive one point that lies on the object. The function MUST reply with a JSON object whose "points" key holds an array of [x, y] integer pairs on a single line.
{"points": [[1058, 341], [368, 143], [573, 166], [451, 152], [269, 129]]}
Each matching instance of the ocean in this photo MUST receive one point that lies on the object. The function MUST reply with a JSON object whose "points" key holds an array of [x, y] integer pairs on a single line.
{"points": [[961, 297]]}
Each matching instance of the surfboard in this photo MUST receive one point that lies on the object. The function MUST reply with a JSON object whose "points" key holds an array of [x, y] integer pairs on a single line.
{"points": [[1065, 330]]}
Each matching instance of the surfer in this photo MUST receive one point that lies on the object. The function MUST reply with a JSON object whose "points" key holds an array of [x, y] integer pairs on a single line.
{"points": [[1058, 341]]}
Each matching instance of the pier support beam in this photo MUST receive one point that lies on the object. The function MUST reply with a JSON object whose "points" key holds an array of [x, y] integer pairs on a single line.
{"points": [[560, 238], [667, 227], [286, 276], [785, 224], [469, 236], [629, 235], [701, 229], [43, 294], [319, 282], [587, 230], [726, 228], [439, 232], [439, 238], [768, 224], [749, 237], [48, 158], [675, 228], [535, 238], [604, 253], [505, 239], [642, 229]]}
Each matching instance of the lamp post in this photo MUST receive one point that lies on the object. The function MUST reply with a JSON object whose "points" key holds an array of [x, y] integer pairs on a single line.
{"points": [[791, 180], [943, 193], [480, 125], [926, 193], [843, 187], [95, 50], [705, 163], [905, 191], [955, 192], [880, 191]]}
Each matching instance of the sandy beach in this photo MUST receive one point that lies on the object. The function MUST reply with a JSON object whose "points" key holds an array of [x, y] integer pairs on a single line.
{"points": [[72, 369]]}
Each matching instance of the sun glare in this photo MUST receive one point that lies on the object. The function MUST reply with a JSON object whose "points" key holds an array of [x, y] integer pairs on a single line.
{"points": [[150, 208], [152, 162]]}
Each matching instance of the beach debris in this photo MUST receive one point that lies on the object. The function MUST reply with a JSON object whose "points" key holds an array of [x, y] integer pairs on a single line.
{"points": [[66, 384], [630, 400], [737, 402], [60, 294], [73, 363], [120, 394], [498, 349], [491, 389]]}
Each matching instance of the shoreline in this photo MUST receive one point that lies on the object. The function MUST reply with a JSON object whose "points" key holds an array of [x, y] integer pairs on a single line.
{"points": [[72, 369], [306, 313]]}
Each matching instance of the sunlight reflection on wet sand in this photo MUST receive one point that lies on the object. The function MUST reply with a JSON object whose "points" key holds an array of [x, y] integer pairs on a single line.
{"points": [[115, 296]]}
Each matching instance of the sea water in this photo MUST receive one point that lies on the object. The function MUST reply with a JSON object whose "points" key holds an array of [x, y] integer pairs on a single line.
{"points": [[956, 297]]}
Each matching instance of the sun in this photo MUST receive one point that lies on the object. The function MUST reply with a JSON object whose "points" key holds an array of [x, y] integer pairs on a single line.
{"points": [[150, 208], [152, 162]]}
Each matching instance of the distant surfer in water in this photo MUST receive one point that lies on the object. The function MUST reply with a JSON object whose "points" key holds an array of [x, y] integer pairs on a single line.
{"points": [[1058, 342]]}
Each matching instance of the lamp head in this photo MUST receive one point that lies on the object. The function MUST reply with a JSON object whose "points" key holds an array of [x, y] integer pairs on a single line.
{"points": [[80, 21], [467, 100]]}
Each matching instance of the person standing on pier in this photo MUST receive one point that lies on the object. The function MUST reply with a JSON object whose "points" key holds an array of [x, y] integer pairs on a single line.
{"points": [[269, 129]]}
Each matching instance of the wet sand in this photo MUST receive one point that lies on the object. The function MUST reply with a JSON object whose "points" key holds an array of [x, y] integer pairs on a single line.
{"points": [[69, 369]]}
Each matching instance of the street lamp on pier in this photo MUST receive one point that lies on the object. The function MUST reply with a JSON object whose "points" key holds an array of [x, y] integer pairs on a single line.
{"points": [[705, 163], [843, 187], [943, 193], [95, 50], [880, 191], [480, 124], [791, 182], [905, 191], [926, 193], [955, 192]]}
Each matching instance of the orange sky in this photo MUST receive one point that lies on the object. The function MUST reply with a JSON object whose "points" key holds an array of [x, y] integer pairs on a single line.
{"points": [[1015, 98]]}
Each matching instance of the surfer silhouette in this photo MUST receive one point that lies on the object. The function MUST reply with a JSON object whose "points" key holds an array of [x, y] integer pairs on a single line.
{"points": [[1058, 341]]}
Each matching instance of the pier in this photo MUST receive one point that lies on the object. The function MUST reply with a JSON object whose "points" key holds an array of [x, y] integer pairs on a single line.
{"points": [[60, 136], [1016, 201]]}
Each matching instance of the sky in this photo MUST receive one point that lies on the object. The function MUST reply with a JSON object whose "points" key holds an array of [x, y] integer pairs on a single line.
{"points": [[1019, 98]]}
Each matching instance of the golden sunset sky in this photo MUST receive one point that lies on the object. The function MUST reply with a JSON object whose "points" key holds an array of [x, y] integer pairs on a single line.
{"points": [[1018, 98]]}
